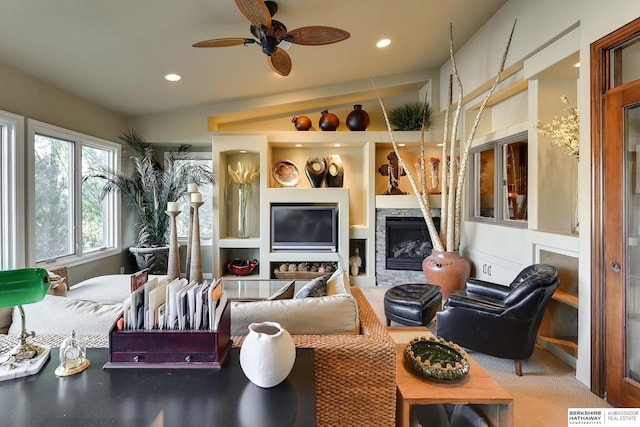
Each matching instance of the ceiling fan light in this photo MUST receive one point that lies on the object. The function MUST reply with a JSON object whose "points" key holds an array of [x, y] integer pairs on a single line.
{"points": [[284, 44], [383, 43]]}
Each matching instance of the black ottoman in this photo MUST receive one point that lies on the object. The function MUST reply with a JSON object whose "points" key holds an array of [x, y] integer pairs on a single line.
{"points": [[413, 304]]}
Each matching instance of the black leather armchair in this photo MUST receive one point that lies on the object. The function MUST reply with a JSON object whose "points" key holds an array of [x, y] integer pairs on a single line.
{"points": [[501, 321]]}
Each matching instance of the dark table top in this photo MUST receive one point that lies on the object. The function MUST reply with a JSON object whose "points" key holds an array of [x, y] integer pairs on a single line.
{"points": [[159, 397]]}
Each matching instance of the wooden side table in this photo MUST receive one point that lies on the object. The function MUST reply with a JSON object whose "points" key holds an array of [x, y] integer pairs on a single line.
{"points": [[478, 389]]}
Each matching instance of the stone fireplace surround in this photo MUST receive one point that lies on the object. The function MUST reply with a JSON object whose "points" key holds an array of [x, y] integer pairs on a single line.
{"points": [[386, 277]]}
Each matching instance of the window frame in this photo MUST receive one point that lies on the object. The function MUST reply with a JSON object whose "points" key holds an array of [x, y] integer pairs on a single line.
{"points": [[195, 155], [499, 202], [78, 255], [12, 223]]}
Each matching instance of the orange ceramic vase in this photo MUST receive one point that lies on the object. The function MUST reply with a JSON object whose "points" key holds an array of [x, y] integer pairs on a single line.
{"points": [[447, 270]]}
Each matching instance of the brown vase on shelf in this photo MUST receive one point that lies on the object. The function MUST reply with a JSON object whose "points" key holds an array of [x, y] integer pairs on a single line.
{"points": [[328, 121], [301, 122], [448, 270], [358, 119]]}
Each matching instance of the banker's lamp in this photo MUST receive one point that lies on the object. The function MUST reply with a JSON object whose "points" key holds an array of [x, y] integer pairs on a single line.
{"points": [[18, 287]]}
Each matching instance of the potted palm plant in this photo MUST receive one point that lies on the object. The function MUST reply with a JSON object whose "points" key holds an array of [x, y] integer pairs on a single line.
{"points": [[445, 266], [147, 191]]}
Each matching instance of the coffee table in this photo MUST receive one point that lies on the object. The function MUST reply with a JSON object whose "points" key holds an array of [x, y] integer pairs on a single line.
{"points": [[251, 289], [477, 389], [159, 397]]}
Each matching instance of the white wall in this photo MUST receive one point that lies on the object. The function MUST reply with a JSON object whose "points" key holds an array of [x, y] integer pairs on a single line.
{"points": [[34, 99]]}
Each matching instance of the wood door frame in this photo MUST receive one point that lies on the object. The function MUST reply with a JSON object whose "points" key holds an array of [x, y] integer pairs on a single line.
{"points": [[600, 67]]}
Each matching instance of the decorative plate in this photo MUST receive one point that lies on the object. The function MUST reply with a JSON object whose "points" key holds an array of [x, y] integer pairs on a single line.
{"points": [[286, 173], [437, 360]]}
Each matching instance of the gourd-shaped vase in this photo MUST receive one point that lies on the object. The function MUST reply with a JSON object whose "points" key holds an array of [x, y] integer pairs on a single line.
{"points": [[328, 121], [449, 270], [316, 170], [267, 354], [335, 171], [358, 119], [301, 122]]}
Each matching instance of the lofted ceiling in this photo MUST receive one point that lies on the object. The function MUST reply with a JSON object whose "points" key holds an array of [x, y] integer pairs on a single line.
{"points": [[116, 53]]}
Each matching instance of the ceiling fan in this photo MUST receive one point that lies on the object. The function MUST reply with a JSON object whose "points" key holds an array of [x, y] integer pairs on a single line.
{"points": [[269, 34]]}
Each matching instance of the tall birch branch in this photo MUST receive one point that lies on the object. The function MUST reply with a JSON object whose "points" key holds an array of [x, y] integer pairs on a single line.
{"points": [[467, 146], [451, 207]]}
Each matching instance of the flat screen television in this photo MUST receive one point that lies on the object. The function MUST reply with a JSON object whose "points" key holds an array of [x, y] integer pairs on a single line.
{"points": [[304, 227]]}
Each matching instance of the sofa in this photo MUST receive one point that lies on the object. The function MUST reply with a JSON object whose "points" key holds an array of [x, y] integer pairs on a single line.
{"points": [[91, 306], [354, 370]]}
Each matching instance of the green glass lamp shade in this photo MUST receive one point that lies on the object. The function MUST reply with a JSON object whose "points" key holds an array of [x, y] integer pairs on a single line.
{"points": [[24, 286]]}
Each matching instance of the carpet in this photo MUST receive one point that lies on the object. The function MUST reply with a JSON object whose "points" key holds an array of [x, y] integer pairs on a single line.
{"points": [[545, 392]]}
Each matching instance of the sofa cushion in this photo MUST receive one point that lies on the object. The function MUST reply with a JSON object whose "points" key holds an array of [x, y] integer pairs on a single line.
{"points": [[327, 315], [338, 283], [108, 289], [315, 288], [60, 315], [285, 292]]}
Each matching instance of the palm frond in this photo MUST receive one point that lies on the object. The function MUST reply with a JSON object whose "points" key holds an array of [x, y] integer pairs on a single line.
{"points": [[151, 185]]}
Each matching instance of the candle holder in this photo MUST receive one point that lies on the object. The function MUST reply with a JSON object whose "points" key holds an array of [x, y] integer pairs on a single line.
{"points": [[173, 270], [195, 267], [188, 260]]}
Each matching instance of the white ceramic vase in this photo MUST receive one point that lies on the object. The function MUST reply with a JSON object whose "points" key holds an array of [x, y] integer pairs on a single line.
{"points": [[267, 354]]}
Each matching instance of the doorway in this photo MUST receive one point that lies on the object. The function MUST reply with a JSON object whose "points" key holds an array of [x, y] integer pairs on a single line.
{"points": [[615, 114]]}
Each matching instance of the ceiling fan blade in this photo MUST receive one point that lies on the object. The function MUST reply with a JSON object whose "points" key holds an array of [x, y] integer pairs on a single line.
{"points": [[317, 35], [255, 11], [237, 41], [280, 62]]}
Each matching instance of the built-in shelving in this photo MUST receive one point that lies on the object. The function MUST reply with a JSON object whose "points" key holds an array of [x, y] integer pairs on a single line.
{"points": [[362, 153], [559, 328]]}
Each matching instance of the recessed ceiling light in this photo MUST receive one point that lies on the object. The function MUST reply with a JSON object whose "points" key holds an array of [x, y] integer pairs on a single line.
{"points": [[298, 145], [383, 43], [576, 65], [336, 145], [402, 144], [172, 77]]}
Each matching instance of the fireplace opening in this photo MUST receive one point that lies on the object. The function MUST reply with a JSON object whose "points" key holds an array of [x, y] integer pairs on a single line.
{"points": [[407, 242]]}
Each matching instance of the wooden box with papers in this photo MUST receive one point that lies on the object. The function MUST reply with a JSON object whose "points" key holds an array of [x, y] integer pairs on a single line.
{"points": [[169, 349], [172, 325]]}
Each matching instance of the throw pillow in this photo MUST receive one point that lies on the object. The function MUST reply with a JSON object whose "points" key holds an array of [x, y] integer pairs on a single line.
{"points": [[285, 292], [315, 288], [338, 283]]}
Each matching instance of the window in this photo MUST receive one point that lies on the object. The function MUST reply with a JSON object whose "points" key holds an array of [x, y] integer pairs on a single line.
{"points": [[205, 212], [12, 248], [499, 181], [70, 220]]}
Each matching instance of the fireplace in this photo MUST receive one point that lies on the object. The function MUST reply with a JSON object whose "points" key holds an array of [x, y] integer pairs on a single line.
{"points": [[407, 242]]}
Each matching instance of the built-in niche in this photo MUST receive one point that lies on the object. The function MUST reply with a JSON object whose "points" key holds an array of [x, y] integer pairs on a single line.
{"points": [[559, 328]]}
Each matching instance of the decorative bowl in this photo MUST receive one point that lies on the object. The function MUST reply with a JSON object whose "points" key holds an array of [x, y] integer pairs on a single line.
{"points": [[436, 359], [242, 267], [286, 173]]}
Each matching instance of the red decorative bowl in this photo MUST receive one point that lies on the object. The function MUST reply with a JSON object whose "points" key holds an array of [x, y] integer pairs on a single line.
{"points": [[242, 267]]}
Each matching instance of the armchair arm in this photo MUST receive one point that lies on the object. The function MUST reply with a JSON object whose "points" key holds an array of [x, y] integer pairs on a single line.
{"points": [[487, 289], [468, 302]]}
